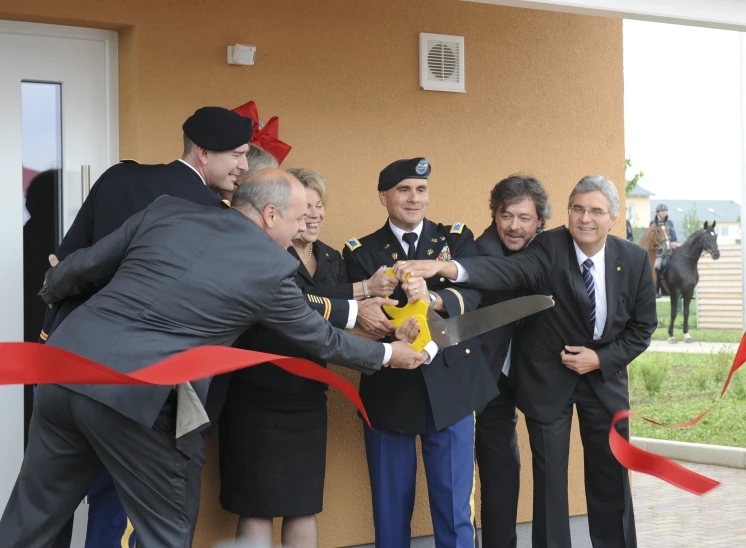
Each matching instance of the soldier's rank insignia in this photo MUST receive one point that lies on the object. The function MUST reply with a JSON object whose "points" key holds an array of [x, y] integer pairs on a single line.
{"points": [[387, 246], [434, 240], [395, 256], [430, 252], [353, 244]]}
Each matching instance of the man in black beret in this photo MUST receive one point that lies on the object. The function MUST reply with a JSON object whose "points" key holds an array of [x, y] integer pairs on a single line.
{"points": [[215, 145], [437, 402]]}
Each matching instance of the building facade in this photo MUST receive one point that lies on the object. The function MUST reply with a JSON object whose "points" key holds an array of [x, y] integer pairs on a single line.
{"points": [[543, 95]]}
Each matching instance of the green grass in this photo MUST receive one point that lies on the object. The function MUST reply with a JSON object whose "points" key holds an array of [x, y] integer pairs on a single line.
{"points": [[673, 388], [663, 309]]}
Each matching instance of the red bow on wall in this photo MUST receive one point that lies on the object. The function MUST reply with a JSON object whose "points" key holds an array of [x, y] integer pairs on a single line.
{"points": [[265, 136]]}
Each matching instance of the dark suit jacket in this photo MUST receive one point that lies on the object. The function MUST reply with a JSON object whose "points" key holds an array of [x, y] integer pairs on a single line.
{"points": [[495, 343], [176, 276], [330, 279], [458, 381], [123, 190], [549, 266]]}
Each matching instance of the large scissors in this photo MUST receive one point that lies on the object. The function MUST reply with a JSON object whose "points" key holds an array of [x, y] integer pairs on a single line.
{"points": [[450, 331]]}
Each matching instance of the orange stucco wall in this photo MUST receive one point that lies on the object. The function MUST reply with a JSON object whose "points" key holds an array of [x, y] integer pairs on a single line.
{"points": [[544, 96]]}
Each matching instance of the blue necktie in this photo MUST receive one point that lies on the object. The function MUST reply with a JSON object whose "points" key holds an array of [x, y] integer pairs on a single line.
{"points": [[590, 288]]}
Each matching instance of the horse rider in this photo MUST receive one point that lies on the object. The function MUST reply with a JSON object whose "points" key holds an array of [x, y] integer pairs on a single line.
{"points": [[661, 218]]}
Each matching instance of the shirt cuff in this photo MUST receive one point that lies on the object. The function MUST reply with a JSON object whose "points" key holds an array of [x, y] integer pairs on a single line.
{"points": [[387, 351], [352, 315], [432, 350], [463, 275]]}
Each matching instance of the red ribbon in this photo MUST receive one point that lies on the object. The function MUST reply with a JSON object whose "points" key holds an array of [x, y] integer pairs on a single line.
{"points": [[33, 363], [265, 136], [638, 460]]}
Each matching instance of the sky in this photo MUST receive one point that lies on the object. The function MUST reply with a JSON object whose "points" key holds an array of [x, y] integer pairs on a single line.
{"points": [[682, 110], [40, 111]]}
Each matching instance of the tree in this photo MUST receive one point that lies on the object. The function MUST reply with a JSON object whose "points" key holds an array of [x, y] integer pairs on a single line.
{"points": [[632, 183], [691, 221]]}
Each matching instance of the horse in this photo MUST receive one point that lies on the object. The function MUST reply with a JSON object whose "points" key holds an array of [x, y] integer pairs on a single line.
{"points": [[656, 238], [681, 276]]}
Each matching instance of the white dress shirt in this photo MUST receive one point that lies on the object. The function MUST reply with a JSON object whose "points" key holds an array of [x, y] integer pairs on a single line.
{"points": [[432, 347], [598, 271], [399, 233], [193, 169]]}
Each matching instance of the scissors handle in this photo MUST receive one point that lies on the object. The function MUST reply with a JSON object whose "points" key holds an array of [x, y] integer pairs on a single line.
{"points": [[418, 309]]}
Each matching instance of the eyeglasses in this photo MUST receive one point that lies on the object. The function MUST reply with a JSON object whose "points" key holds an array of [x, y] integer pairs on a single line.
{"points": [[595, 213]]}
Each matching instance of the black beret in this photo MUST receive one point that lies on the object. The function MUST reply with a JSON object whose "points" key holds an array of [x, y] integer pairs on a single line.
{"points": [[218, 129], [393, 174]]}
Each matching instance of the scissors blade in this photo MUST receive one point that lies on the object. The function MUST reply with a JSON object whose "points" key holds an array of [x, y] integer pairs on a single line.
{"points": [[450, 331]]}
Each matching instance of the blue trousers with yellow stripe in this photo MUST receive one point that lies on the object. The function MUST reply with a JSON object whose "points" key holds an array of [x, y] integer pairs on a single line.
{"points": [[448, 456]]}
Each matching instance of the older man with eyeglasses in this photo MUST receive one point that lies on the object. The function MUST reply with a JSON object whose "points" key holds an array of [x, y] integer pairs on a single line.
{"points": [[573, 355]]}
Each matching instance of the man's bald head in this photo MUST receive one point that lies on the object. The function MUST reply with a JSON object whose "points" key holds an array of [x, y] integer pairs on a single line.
{"points": [[276, 201], [266, 186]]}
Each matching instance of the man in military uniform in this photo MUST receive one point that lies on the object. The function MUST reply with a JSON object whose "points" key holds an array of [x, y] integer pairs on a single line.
{"points": [[256, 159], [436, 402], [519, 206], [215, 144]]}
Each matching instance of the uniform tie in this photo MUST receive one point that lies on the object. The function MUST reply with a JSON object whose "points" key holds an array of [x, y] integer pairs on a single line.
{"points": [[590, 288], [410, 238]]}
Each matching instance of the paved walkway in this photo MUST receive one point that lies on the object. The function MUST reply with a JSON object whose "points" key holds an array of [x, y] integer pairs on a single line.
{"points": [[671, 518], [667, 517], [695, 347]]}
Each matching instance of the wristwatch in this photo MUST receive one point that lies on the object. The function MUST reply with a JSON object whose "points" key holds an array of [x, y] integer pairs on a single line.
{"points": [[433, 298]]}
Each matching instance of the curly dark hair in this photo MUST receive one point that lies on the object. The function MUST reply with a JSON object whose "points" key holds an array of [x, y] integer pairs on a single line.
{"points": [[516, 188]]}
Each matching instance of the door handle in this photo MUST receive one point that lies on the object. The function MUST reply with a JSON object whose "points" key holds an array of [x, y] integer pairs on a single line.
{"points": [[85, 181]]}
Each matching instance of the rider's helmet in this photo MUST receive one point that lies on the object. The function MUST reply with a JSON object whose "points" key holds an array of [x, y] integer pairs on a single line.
{"points": [[659, 208]]}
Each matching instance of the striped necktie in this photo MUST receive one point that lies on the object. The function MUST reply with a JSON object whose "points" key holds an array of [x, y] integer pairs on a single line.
{"points": [[590, 288]]}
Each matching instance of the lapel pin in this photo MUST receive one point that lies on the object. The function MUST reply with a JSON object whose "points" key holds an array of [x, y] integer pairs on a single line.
{"points": [[618, 268], [430, 252]]}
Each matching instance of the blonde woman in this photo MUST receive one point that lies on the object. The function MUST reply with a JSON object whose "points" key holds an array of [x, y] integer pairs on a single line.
{"points": [[273, 426]]}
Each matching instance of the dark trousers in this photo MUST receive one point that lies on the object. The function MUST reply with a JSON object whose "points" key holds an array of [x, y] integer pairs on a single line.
{"points": [[610, 516], [448, 456], [499, 468], [71, 439], [108, 525]]}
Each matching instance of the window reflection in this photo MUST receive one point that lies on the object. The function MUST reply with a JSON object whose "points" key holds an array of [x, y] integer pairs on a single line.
{"points": [[41, 124]]}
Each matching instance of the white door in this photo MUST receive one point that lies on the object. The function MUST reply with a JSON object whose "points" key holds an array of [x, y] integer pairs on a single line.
{"points": [[58, 112]]}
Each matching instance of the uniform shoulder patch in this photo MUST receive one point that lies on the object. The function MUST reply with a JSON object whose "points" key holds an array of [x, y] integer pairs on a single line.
{"points": [[353, 244], [127, 161], [226, 202], [457, 228]]}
